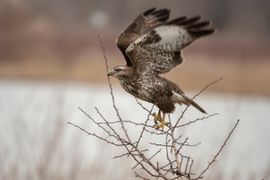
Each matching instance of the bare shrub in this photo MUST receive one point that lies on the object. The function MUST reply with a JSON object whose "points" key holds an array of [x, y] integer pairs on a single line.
{"points": [[165, 159]]}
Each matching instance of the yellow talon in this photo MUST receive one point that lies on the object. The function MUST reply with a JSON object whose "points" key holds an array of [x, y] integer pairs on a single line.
{"points": [[162, 125], [157, 117]]}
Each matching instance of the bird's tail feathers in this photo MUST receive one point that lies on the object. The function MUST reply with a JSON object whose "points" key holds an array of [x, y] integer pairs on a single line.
{"points": [[182, 98]]}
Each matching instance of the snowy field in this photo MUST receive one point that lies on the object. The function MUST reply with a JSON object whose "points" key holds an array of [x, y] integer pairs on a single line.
{"points": [[34, 133]]}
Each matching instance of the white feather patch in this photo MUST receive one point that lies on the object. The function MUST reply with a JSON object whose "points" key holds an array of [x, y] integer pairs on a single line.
{"points": [[177, 37], [178, 98]]}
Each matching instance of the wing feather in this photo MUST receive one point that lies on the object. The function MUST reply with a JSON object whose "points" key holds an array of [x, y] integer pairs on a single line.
{"points": [[159, 50], [193, 25], [156, 52], [144, 23]]}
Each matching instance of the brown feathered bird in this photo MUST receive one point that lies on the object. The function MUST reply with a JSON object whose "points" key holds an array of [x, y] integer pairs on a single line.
{"points": [[152, 46]]}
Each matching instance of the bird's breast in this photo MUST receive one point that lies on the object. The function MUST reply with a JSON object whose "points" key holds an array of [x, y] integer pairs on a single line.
{"points": [[140, 88]]}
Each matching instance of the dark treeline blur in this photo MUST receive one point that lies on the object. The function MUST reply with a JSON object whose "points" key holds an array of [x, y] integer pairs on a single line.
{"points": [[30, 28]]}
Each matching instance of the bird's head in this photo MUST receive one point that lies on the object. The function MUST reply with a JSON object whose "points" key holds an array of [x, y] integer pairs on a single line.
{"points": [[121, 72]]}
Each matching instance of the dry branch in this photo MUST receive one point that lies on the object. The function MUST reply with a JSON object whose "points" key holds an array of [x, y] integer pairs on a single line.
{"points": [[219, 151]]}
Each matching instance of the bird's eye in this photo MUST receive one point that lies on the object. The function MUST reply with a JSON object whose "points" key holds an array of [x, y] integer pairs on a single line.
{"points": [[117, 70]]}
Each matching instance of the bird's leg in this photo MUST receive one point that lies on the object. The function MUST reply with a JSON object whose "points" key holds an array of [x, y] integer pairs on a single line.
{"points": [[161, 120], [157, 117]]}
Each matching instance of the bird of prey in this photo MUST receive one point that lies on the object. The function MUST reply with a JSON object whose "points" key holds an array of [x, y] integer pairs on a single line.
{"points": [[152, 46]]}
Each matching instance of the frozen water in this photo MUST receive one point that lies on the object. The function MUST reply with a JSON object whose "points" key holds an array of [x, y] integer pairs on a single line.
{"points": [[28, 111]]}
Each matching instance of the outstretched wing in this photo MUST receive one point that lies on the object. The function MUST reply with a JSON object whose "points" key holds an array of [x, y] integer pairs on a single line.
{"points": [[159, 50], [144, 23]]}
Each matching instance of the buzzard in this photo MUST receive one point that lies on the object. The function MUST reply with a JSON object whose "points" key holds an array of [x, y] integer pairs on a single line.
{"points": [[152, 46]]}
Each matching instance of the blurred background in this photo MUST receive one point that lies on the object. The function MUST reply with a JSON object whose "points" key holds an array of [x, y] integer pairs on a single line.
{"points": [[51, 63]]}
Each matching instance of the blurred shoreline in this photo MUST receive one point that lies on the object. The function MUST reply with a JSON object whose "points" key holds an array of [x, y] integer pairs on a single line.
{"points": [[242, 76]]}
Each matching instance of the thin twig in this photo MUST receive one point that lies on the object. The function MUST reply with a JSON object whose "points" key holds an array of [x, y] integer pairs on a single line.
{"points": [[200, 92], [176, 154], [219, 151], [143, 129], [93, 134], [195, 120], [110, 86], [139, 176], [142, 106], [127, 154], [207, 86]]}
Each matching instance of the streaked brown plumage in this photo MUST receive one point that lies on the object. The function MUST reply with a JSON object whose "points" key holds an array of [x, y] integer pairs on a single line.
{"points": [[152, 46]]}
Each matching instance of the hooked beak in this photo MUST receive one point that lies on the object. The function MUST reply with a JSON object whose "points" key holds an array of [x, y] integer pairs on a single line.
{"points": [[110, 72]]}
